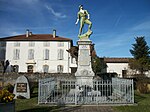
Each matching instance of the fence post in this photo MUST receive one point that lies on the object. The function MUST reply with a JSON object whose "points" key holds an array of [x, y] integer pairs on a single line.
{"points": [[39, 91], [132, 91], [75, 93]]}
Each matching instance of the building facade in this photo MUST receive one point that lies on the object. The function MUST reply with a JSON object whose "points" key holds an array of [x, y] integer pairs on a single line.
{"points": [[37, 53], [48, 53], [117, 65]]}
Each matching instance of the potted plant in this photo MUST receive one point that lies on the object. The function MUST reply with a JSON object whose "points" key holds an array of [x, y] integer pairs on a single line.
{"points": [[7, 103]]}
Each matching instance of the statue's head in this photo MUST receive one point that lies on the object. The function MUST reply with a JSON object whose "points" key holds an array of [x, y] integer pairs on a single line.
{"points": [[80, 7]]}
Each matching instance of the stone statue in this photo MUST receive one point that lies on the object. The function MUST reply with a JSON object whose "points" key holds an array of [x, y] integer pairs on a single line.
{"points": [[84, 17]]}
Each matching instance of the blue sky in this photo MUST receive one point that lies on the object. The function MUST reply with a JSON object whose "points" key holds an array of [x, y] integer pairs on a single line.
{"points": [[116, 23]]}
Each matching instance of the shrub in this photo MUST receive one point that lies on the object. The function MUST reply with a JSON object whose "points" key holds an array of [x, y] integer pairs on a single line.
{"points": [[142, 87], [9, 87], [6, 96], [32, 86]]}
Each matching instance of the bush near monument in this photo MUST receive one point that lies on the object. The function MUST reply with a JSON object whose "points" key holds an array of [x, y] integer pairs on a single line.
{"points": [[6, 94]]}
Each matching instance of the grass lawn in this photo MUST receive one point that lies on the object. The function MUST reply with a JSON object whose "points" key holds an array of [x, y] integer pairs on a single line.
{"points": [[30, 105], [143, 104]]}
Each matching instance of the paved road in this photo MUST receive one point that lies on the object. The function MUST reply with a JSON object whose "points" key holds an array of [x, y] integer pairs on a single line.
{"points": [[87, 109]]}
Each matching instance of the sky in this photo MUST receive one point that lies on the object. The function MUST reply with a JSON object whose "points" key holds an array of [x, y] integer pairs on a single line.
{"points": [[115, 23]]}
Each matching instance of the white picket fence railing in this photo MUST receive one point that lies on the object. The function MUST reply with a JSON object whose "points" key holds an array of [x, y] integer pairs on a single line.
{"points": [[116, 91]]}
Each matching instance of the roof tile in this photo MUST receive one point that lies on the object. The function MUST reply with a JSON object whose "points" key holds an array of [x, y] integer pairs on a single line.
{"points": [[35, 37], [117, 60]]}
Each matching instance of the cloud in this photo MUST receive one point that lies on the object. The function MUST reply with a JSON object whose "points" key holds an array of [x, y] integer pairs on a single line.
{"points": [[14, 33], [142, 26], [118, 20], [113, 40], [56, 14], [118, 39], [10, 33], [29, 2]]}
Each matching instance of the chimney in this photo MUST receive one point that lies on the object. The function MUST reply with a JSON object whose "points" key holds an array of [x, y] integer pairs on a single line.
{"points": [[54, 33], [30, 33], [27, 33]]}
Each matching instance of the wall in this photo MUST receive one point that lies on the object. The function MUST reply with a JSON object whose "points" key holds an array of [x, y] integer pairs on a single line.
{"points": [[38, 56], [2, 50], [12, 77], [117, 67]]}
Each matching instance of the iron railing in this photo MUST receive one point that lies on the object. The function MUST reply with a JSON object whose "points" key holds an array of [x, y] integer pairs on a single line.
{"points": [[57, 91]]}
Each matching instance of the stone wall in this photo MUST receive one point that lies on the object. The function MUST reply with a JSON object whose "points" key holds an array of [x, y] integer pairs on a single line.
{"points": [[34, 77]]}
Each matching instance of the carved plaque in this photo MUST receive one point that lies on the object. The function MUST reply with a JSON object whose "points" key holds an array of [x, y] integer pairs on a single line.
{"points": [[21, 87], [84, 57], [84, 47]]}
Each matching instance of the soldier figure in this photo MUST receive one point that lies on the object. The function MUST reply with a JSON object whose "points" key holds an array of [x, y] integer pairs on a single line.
{"points": [[84, 17]]}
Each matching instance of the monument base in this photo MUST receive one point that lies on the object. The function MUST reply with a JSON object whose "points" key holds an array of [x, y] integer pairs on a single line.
{"points": [[84, 74], [82, 81]]}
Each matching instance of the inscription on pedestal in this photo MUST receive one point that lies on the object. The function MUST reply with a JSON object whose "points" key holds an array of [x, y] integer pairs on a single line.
{"points": [[22, 87], [84, 57], [84, 47]]}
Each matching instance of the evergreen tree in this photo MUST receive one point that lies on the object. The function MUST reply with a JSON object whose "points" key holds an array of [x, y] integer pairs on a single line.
{"points": [[98, 64], [140, 52], [140, 48]]}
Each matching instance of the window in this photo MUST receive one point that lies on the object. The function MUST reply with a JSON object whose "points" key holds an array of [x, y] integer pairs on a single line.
{"points": [[46, 54], [73, 60], [60, 44], [124, 73], [30, 69], [16, 54], [17, 44], [14, 68], [60, 54], [2, 51], [45, 68], [46, 44], [60, 69], [2, 44], [31, 44], [31, 54]]}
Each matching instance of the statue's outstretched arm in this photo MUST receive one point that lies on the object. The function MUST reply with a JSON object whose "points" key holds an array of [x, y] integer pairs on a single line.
{"points": [[77, 21], [78, 18]]}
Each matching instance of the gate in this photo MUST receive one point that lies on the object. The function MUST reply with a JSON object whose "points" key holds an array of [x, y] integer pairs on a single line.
{"points": [[59, 92]]}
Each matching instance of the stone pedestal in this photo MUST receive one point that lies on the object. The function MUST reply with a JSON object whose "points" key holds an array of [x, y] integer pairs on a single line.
{"points": [[84, 74], [22, 87]]}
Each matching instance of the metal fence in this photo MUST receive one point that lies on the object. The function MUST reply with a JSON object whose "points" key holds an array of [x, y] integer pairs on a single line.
{"points": [[59, 92]]}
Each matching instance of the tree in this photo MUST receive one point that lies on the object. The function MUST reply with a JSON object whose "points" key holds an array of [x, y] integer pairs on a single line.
{"points": [[98, 64], [141, 54], [140, 63]]}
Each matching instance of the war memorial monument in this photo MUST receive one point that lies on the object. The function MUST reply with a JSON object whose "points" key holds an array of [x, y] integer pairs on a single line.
{"points": [[84, 74], [84, 90]]}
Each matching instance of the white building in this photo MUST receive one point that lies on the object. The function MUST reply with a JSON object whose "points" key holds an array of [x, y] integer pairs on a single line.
{"points": [[47, 53], [117, 65], [121, 67], [37, 53]]}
